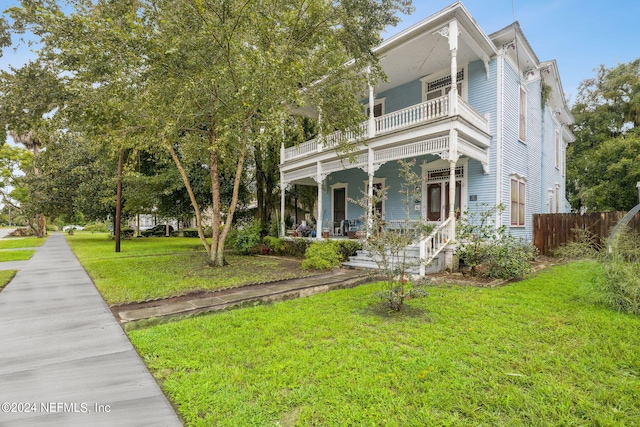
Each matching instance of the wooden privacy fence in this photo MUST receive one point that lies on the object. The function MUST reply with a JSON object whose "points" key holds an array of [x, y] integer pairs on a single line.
{"points": [[553, 230]]}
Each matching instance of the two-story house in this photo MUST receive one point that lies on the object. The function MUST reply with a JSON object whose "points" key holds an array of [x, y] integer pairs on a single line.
{"points": [[484, 118]]}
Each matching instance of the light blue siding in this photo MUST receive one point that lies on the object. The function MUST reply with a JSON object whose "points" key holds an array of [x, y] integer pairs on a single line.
{"points": [[395, 206], [482, 96], [401, 97]]}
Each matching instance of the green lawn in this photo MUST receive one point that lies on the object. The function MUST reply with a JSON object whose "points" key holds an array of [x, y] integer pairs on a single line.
{"points": [[148, 268], [21, 255], [540, 352], [6, 276], [21, 242]]}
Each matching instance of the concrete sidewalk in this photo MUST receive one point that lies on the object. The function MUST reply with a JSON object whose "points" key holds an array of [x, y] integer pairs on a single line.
{"points": [[263, 293], [64, 360]]}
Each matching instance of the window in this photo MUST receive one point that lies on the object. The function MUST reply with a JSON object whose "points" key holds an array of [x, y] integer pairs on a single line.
{"points": [[564, 162], [517, 202], [558, 149], [441, 87], [522, 133], [378, 108]]}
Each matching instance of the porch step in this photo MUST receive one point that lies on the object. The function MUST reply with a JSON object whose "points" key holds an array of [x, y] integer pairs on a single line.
{"points": [[364, 260]]}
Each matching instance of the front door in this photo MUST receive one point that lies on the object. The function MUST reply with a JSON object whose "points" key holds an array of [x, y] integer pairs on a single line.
{"points": [[339, 206], [434, 202], [437, 205]]}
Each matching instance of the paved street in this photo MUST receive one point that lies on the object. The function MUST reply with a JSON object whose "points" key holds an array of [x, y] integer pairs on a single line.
{"points": [[64, 360]]}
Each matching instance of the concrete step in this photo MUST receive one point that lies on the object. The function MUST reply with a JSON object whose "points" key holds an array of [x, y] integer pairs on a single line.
{"points": [[364, 260]]}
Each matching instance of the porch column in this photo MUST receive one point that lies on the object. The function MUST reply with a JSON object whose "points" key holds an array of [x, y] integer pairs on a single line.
{"points": [[372, 100], [453, 47], [453, 160], [370, 172], [319, 179], [283, 189]]}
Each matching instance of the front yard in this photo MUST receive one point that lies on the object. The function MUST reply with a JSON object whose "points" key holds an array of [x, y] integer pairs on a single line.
{"points": [[159, 267], [537, 352]]}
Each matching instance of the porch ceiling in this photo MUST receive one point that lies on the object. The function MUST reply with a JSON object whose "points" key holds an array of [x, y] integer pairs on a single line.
{"points": [[420, 51]]}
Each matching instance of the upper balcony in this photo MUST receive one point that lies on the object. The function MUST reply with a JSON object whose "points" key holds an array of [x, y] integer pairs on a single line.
{"points": [[428, 113], [426, 119]]}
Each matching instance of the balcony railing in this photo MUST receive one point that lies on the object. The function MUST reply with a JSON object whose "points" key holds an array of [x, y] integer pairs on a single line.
{"points": [[420, 113], [424, 112]]}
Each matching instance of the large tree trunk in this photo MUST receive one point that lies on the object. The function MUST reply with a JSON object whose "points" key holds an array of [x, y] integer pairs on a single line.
{"points": [[215, 259], [219, 260], [192, 197], [41, 225], [118, 200], [260, 199]]}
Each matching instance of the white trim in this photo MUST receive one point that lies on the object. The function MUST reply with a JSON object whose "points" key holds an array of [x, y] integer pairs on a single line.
{"points": [[557, 142], [346, 199], [499, 134]]}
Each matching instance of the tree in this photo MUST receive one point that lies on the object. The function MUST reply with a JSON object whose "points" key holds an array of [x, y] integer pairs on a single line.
{"points": [[203, 79], [31, 96], [603, 166], [76, 179], [225, 75], [14, 161]]}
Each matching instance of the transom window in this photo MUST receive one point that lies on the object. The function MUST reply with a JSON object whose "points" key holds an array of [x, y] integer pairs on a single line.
{"points": [[442, 86]]}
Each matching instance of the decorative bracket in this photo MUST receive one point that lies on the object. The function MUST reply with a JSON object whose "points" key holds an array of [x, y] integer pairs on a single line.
{"points": [[445, 155], [285, 186], [510, 45], [486, 66], [321, 176], [444, 32], [485, 168], [529, 72], [376, 166]]}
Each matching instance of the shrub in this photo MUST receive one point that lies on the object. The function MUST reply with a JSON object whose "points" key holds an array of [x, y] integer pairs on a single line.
{"points": [[348, 248], [247, 237], [190, 232], [481, 243], [97, 227], [585, 245], [395, 293], [620, 283], [322, 256], [509, 258], [275, 244]]}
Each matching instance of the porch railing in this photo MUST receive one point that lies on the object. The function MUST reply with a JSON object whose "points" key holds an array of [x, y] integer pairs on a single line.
{"points": [[419, 113], [472, 115], [434, 243], [416, 114]]}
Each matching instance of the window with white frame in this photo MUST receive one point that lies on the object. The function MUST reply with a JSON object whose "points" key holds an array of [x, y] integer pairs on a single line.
{"points": [[558, 149], [378, 108], [437, 88], [518, 200], [522, 123]]}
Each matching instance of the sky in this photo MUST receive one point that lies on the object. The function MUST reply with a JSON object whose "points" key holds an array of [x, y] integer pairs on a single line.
{"points": [[579, 34]]}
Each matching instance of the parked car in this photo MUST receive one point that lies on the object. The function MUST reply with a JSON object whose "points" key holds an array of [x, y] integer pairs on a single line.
{"points": [[157, 230], [72, 227]]}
